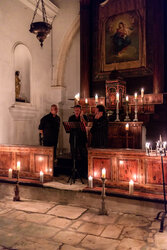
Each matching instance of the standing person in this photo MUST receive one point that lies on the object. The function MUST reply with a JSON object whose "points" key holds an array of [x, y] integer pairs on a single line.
{"points": [[49, 128], [81, 139], [99, 129]]}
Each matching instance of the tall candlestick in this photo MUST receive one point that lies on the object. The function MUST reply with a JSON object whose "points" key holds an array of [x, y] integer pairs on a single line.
{"points": [[117, 96], [96, 98], [117, 107], [10, 173], [103, 173], [18, 165], [135, 119], [127, 119], [90, 181], [131, 187], [142, 93], [41, 176]]}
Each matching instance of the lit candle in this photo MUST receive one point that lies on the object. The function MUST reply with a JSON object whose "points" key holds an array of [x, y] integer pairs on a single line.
{"points": [[135, 96], [90, 181], [127, 98], [127, 127], [103, 173], [117, 97], [142, 93], [77, 97], [41, 176], [131, 187], [86, 100], [96, 98], [10, 173], [50, 170], [18, 165]]}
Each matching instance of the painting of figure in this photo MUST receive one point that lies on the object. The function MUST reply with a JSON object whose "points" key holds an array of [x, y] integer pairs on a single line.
{"points": [[122, 38]]}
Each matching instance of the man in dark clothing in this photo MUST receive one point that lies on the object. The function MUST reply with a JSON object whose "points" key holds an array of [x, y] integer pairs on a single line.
{"points": [[99, 129], [49, 128], [81, 139]]}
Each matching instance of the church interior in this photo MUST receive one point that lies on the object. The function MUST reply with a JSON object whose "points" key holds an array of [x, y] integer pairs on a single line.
{"points": [[88, 55]]}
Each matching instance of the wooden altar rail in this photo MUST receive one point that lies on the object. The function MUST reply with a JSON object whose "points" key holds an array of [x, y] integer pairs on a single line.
{"points": [[33, 159], [123, 165], [118, 137]]}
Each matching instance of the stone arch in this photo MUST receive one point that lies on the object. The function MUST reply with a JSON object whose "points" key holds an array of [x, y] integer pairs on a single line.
{"points": [[61, 62]]}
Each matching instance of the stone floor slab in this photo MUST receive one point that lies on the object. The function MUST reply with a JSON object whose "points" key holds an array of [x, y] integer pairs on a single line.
{"points": [[99, 243], [59, 222], [31, 206], [27, 244], [32, 217], [112, 231], [91, 228], [103, 219], [127, 244], [135, 233], [9, 223], [69, 212], [69, 237], [161, 240], [133, 220], [8, 239], [76, 224], [36, 230], [68, 247]]}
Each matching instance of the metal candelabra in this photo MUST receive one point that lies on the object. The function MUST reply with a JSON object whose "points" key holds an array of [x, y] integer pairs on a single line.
{"points": [[161, 151], [103, 210]]}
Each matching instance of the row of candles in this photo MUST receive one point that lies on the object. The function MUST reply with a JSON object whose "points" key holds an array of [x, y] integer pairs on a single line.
{"points": [[77, 97], [103, 176], [41, 174]]}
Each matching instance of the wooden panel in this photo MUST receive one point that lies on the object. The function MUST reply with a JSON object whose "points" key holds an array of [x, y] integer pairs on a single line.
{"points": [[24, 159], [125, 164], [5, 160], [41, 163], [154, 172], [33, 159], [99, 164], [127, 170]]}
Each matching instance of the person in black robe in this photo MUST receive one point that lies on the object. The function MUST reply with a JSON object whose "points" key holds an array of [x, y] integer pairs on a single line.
{"points": [[81, 140], [99, 130], [49, 128]]}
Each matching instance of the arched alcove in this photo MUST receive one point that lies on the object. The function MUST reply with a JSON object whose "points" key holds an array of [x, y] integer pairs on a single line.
{"points": [[22, 64]]}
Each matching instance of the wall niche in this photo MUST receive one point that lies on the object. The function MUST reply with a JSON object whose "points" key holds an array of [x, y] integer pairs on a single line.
{"points": [[22, 77]]}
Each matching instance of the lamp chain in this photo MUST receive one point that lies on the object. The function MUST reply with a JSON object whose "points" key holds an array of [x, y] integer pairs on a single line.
{"points": [[43, 11]]}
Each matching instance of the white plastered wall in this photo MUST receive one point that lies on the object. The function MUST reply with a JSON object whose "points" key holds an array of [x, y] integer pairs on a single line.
{"points": [[19, 122]]}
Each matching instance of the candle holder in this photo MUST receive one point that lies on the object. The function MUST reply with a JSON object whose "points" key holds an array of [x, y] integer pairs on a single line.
{"points": [[103, 210], [117, 111], [135, 119], [127, 119], [161, 151], [16, 189]]}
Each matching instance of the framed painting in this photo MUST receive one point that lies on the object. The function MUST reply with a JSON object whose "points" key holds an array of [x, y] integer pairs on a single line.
{"points": [[123, 42]]}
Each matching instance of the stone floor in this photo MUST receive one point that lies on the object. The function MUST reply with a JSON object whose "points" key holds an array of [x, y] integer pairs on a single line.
{"points": [[31, 224]]}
